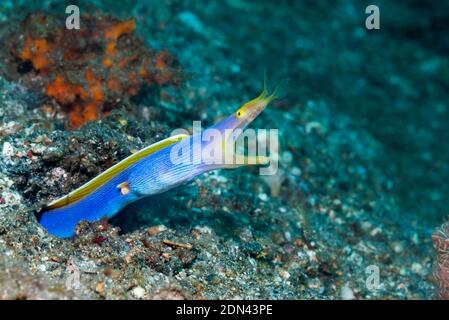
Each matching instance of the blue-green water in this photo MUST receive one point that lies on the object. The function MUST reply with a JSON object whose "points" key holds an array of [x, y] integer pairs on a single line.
{"points": [[363, 152]]}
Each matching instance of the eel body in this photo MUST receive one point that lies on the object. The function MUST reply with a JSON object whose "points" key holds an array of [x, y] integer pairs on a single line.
{"points": [[147, 172]]}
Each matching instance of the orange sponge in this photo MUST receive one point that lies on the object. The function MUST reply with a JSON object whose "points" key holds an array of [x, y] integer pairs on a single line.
{"points": [[86, 69]]}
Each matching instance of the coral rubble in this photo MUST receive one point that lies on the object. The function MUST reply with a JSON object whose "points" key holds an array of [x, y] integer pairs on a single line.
{"points": [[91, 70]]}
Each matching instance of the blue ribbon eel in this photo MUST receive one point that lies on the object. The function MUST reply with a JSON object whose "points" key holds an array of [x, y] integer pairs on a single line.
{"points": [[147, 172]]}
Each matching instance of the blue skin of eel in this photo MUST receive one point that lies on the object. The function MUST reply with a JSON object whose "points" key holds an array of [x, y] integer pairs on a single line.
{"points": [[153, 174]]}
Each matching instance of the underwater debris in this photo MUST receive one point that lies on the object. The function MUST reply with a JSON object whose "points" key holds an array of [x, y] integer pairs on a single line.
{"points": [[170, 243], [87, 71], [440, 240]]}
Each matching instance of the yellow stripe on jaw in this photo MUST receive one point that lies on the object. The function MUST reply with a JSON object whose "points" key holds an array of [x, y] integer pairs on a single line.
{"points": [[107, 175], [260, 102]]}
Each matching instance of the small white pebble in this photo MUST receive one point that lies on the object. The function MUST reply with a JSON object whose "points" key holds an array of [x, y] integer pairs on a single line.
{"points": [[284, 274], [296, 171], [138, 292], [203, 229], [312, 255], [347, 293], [58, 173], [41, 232], [416, 267], [314, 283], [376, 231], [398, 247], [263, 197], [7, 150]]}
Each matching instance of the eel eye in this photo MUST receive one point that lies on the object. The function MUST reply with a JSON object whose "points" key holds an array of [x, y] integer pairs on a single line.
{"points": [[239, 114]]}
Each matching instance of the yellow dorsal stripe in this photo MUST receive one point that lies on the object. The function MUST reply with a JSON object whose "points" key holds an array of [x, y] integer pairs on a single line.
{"points": [[107, 175]]}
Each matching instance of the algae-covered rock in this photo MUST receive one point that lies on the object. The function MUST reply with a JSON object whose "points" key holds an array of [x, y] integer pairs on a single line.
{"points": [[348, 214]]}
